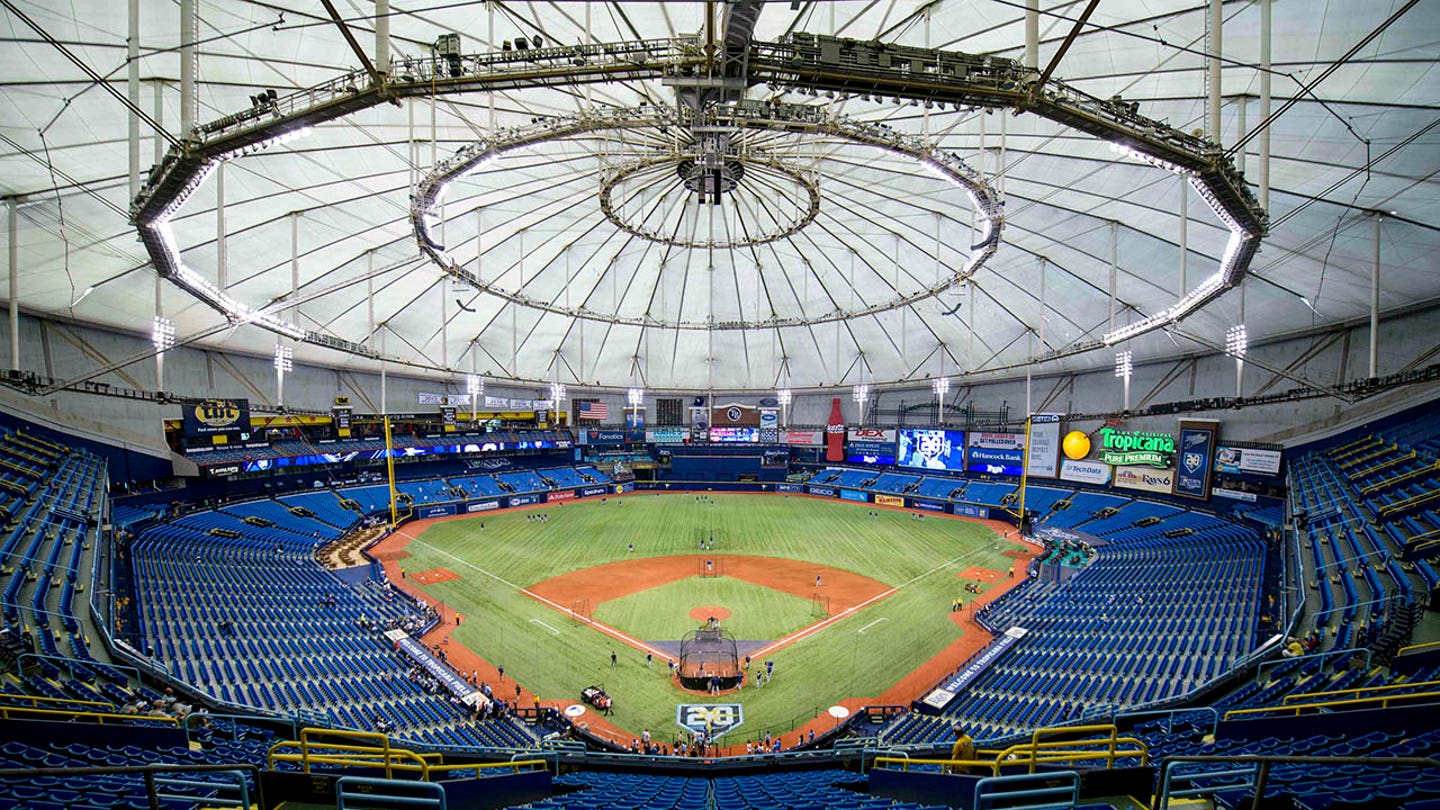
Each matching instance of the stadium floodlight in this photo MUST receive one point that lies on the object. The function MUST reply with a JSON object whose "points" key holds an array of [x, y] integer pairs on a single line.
{"points": [[636, 397], [1124, 367], [284, 358], [784, 396], [557, 393], [1237, 342], [162, 333], [1124, 364], [474, 385], [940, 385], [861, 395]]}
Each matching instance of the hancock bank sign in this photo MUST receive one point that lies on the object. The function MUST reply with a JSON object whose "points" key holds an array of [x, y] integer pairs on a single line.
{"points": [[1130, 448]]}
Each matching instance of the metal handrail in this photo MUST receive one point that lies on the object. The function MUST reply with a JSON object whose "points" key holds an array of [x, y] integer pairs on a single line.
{"points": [[1167, 773], [1357, 689], [1383, 702], [148, 770], [9, 712]]}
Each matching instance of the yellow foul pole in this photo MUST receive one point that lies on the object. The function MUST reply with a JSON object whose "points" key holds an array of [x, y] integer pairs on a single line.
{"points": [[390, 469]]}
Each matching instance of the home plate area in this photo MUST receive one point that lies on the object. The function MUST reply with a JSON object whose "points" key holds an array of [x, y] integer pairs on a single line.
{"points": [[433, 576]]}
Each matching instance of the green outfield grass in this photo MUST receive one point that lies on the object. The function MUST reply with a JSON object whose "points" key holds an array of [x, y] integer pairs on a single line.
{"points": [[557, 656], [663, 613]]}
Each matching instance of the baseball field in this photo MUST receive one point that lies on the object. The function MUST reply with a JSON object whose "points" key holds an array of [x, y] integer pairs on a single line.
{"points": [[851, 602]]}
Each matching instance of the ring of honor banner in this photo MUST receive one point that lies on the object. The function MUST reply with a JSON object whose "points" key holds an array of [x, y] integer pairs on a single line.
{"points": [[1042, 457], [1194, 458]]}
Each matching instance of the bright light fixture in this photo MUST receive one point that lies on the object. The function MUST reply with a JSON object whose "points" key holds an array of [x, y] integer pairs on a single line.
{"points": [[636, 397], [1236, 341], [1124, 364], [162, 333], [284, 358], [941, 386]]}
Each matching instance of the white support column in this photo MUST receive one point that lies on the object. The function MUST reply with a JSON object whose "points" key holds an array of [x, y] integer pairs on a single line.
{"points": [[1265, 103], [1032, 34], [132, 72], [159, 116], [189, 28], [13, 248], [1241, 102], [1114, 268], [1212, 67], [1375, 304], [159, 313], [294, 307], [1184, 235], [382, 37], [222, 274], [384, 409]]}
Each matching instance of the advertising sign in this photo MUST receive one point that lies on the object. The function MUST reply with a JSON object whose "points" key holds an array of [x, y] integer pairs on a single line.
{"points": [[1235, 460], [970, 510], [870, 452], [996, 453], [769, 418], [855, 495], [447, 417], [941, 696], [1197, 447], [932, 449], [481, 506], [1042, 459], [824, 492], [605, 436], [507, 404], [562, 495], [1148, 479], [929, 506], [670, 435], [1233, 494], [589, 491], [835, 433], [1084, 472], [734, 434], [1126, 448], [789, 488], [524, 500], [436, 511], [805, 437], [870, 434], [212, 417], [425, 398], [889, 500]]}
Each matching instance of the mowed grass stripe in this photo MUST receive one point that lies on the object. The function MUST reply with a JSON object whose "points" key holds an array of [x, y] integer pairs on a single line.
{"points": [[811, 674], [663, 613], [892, 548]]}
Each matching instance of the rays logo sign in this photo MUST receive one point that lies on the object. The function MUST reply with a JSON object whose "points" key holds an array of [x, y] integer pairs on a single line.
{"points": [[715, 719]]}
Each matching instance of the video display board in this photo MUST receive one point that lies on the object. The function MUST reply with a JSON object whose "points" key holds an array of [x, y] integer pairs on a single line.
{"points": [[734, 434], [932, 449]]}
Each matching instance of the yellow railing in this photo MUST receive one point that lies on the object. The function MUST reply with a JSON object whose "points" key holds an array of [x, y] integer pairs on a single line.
{"points": [[1035, 752], [1294, 710], [1351, 447], [1413, 647], [21, 712], [1364, 457], [1382, 466], [1410, 502], [1354, 690], [309, 751], [36, 700], [1395, 480]]}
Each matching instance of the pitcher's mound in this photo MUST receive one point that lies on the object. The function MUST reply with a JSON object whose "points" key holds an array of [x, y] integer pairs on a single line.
{"points": [[702, 614]]}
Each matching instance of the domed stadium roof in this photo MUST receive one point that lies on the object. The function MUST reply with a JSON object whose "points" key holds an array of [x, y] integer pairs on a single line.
{"points": [[634, 230]]}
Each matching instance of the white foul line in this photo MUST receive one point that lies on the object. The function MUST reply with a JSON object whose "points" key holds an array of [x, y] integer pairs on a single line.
{"points": [[872, 624], [552, 630]]}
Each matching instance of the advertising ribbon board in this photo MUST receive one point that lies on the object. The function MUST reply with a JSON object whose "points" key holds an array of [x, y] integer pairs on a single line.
{"points": [[941, 696], [1146, 479]]}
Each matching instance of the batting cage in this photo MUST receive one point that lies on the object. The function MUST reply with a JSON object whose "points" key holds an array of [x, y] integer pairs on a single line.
{"points": [[710, 566], [708, 653]]}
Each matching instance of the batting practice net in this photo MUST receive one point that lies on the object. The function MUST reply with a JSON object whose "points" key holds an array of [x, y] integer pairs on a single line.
{"points": [[709, 653]]}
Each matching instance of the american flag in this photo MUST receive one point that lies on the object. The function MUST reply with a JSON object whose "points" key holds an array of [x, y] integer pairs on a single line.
{"points": [[594, 411]]}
